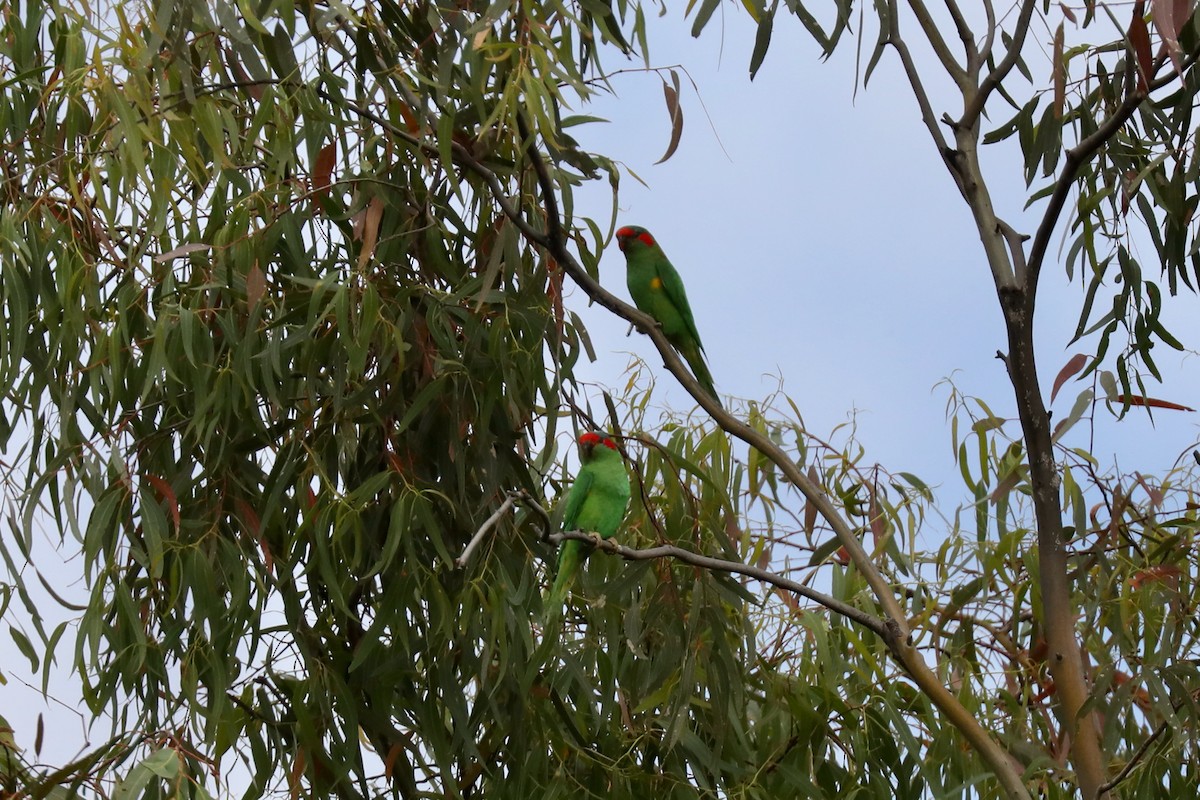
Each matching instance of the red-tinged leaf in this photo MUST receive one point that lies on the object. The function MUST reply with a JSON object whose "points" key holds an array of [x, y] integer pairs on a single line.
{"points": [[733, 532], [294, 785], [789, 600], [390, 762], [1059, 70], [810, 509], [675, 112], [1068, 13], [1070, 369], [256, 285], [323, 169], [1151, 402], [168, 496], [1129, 184], [1163, 573], [764, 558], [1155, 494], [410, 119], [367, 230], [248, 516], [252, 87], [1139, 38], [1163, 12], [878, 524], [1005, 486], [268, 558]]}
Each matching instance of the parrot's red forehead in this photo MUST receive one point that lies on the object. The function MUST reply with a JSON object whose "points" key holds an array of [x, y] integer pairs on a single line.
{"points": [[631, 232], [591, 439]]}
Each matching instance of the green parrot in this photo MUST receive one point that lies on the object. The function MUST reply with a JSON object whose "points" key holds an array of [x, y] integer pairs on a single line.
{"points": [[657, 289], [595, 503]]}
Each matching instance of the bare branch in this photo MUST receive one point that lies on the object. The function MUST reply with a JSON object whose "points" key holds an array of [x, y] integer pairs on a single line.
{"points": [[989, 39], [967, 36], [1136, 758], [462, 560], [994, 78], [869, 621], [940, 48], [1016, 246], [918, 87]]}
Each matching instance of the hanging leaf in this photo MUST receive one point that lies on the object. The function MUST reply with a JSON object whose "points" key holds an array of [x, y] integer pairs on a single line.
{"points": [[762, 39], [1150, 402], [1169, 17], [1072, 367], [1059, 68], [675, 112], [323, 170], [1139, 38]]}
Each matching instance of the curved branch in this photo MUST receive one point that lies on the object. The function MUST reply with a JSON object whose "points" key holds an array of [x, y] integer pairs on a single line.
{"points": [[868, 621]]}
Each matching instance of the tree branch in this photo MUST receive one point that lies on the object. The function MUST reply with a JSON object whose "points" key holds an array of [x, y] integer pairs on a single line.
{"points": [[967, 36], [975, 103], [869, 621], [508, 503], [1135, 758], [1076, 157], [940, 48], [918, 88]]}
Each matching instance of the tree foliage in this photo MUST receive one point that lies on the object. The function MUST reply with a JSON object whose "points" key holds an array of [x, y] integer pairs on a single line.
{"points": [[284, 287]]}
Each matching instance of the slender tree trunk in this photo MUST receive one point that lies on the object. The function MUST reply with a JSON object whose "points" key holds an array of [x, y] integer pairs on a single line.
{"points": [[1058, 613]]}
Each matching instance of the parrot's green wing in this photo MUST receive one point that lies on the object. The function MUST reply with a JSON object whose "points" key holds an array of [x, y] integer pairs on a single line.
{"points": [[673, 287], [575, 497]]}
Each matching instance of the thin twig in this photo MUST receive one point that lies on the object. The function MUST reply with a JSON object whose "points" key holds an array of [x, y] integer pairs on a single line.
{"points": [[462, 560], [1135, 758]]}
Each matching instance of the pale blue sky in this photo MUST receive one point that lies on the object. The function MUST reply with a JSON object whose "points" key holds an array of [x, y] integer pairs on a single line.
{"points": [[831, 247]]}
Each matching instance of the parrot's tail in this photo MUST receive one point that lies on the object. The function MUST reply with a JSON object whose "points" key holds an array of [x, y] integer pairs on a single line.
{"points": [[691, 354], [570, 558]]}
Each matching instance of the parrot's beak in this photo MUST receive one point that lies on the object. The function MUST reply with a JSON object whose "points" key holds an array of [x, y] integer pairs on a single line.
{"points": [[621, 243]]}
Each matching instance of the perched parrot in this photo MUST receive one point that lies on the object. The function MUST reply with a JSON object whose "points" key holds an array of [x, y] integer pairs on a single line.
{"points": [[596, 503], [657, 289]]}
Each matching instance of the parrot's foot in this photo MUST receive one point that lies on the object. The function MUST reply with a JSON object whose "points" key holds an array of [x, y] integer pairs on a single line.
{"points": [[595, 538]]}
